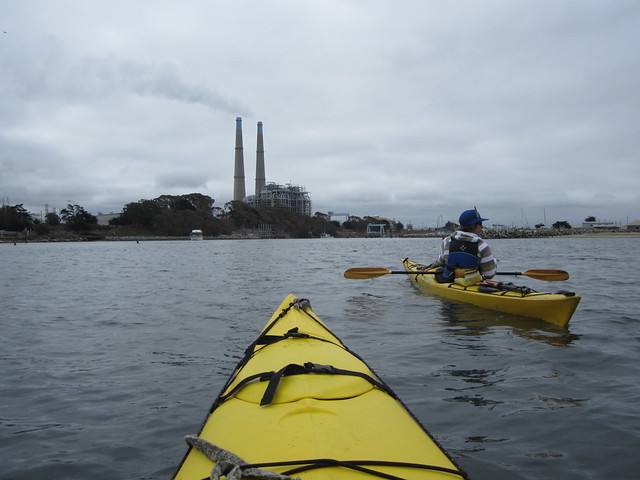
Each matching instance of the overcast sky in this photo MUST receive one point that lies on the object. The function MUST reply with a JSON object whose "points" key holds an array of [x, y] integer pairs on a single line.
{"points": [[408, 109]]}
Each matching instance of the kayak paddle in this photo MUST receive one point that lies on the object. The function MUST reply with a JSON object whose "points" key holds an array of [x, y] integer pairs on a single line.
{"points": [[373, 272]]}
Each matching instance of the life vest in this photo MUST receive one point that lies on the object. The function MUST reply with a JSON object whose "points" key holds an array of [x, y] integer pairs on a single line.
{"points": [[462, 255]]}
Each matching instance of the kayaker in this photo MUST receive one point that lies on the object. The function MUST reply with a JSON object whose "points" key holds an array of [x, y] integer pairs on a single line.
{"points": [[465, 256]]}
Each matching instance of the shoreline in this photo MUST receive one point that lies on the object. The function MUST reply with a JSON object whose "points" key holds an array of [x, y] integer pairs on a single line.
{"points": [[489, 235], [606, 235]]}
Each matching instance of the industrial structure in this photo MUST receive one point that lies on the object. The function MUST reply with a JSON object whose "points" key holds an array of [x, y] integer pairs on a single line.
{"points": [[289, 196], [238, 173], [260, 176], [270, 194]]}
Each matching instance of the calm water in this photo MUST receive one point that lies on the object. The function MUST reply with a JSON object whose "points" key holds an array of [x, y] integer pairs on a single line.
{"points": [[111, 352]]}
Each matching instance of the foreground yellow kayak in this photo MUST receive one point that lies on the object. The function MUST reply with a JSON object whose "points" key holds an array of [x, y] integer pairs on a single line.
{"points": [[556, 308], [300, 404]]}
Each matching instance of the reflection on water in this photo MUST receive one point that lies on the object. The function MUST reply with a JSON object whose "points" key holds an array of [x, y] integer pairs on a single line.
{"points": [[466, 319], [541, 402], [477, 378], [545, 455], [366, 305], [478, 443], [475, 381], [559, 403], [476, 400]]}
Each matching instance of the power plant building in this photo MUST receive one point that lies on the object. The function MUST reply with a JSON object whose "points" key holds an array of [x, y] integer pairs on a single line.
{"points": [[266, 194], [289, 196]]}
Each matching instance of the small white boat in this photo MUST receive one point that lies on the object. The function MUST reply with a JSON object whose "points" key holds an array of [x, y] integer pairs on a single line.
{"points": [[326, 235], [196, 235]]}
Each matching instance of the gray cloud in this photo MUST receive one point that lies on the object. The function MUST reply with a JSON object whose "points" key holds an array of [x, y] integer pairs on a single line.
{"points": [[412, 110], [52, 73]]}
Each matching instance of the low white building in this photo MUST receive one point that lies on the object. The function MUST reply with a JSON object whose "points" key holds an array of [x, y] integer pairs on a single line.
{"points": [[601, 225]]}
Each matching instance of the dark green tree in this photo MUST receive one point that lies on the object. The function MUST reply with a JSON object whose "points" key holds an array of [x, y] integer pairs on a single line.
{"points": [[199, 201], [356, 224], [243, 215], [172, 215], [284, 222], [561, 224], [181, 222], [52, 219], [138, 213], [77, 219], [15, 218], [42, 229]]}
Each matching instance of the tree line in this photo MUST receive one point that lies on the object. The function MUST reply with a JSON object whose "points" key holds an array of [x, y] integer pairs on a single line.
{"points": [[74, 218], [177, 215]]}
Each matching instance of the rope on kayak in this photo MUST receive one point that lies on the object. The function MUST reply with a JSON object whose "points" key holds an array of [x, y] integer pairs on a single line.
{"points": [[229, 465], [301, 304]]}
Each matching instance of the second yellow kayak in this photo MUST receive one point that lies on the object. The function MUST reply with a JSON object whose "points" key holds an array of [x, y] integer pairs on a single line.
{"points": [[556, 308]]}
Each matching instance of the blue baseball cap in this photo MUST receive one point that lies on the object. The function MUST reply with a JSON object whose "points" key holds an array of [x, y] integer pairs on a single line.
{"points": [[471, 217]]}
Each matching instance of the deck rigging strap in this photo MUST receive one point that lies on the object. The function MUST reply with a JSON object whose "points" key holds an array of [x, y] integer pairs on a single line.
{"points": [[360, 465], [293, 333], [301, 304], [234, 468], [294, 369], [265, 339], [309, 367]]}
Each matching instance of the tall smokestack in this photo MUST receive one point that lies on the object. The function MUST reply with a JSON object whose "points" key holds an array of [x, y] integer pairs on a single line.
{"points": [[260, 180], [238, 175]]}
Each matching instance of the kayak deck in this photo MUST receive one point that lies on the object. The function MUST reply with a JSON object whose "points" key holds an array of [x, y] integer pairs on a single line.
{"points": [[556, 308], [302, 404]]}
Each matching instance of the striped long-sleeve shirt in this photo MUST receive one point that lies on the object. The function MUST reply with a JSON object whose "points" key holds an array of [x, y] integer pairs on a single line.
{"points": [[486, 262]]}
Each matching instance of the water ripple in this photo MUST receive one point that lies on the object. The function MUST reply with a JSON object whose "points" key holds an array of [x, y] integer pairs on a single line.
{"points": [[111, 352]]}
